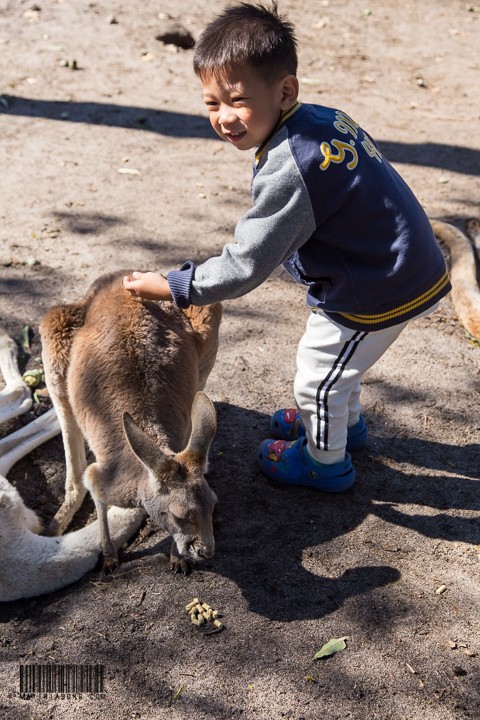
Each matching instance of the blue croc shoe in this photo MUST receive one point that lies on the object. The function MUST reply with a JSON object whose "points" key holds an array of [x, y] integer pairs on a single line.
{"points": [[287, 425], [290, 463], [357, 435]]}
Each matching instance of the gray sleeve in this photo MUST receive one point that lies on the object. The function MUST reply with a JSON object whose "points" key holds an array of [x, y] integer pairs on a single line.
{"points": [[280, 221]]}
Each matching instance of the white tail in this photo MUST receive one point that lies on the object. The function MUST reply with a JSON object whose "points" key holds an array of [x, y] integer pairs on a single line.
{"points": [[123, 374]]}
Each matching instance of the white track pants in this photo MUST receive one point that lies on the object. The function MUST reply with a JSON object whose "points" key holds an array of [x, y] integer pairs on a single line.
{"points": [[331, 360]]}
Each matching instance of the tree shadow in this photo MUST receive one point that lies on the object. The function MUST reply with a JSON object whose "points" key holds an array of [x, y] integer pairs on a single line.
{"points": [[454, 158], [265, 529], [164, 122], [28, 293], [30, 290]]}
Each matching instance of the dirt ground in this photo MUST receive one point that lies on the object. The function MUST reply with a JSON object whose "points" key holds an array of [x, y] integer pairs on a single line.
{"points": [[293, 568]]}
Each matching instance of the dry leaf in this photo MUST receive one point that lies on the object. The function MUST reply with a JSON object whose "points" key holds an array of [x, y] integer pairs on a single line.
{"points": [[331, 647]]}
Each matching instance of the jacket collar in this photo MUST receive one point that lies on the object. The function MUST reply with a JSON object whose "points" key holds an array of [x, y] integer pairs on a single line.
{"points": [[283, 117]]}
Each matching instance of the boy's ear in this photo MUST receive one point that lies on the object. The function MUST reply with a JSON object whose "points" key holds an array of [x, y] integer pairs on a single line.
{"points": [[289, 92]]}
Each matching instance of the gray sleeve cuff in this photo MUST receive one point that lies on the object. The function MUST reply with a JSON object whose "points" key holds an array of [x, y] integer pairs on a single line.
{"points": [[180, 282]]}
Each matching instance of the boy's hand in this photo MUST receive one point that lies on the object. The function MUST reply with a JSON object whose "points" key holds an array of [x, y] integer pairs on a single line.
{"points": [[148, 286]]}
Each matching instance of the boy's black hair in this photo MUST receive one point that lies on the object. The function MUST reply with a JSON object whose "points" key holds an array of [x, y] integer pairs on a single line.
{"points": [[251, 35]]}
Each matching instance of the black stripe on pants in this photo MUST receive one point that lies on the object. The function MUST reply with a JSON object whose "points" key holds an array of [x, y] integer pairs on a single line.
{"points": [[328, 383]]}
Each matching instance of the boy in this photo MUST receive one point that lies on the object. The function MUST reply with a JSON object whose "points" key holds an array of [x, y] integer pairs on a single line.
{"points": [[330, 208]]}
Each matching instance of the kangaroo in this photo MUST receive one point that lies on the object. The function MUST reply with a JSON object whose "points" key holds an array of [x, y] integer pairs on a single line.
{"points": [[33, 564], [463, 271], [126, 375]]}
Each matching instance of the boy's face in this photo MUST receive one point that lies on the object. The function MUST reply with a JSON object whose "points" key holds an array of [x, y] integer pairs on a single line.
{"points": [[244, 108]]}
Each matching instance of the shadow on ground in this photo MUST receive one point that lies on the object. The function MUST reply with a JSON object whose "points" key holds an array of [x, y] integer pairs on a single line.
{"points": [[174, 124], [264, 529]]}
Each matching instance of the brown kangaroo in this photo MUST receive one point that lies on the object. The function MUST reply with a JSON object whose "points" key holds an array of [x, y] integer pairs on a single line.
{"points": [[124, 374]]}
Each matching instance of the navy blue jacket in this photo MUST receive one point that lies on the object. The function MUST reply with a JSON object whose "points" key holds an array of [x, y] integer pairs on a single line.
{"points": [[330, 208]]}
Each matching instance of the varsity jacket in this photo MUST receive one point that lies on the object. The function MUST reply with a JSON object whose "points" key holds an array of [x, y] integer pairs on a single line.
{"points": [[330, 208]]}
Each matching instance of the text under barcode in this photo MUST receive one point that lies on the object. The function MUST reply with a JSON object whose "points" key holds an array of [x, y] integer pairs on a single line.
{"points": [[61, 678]]}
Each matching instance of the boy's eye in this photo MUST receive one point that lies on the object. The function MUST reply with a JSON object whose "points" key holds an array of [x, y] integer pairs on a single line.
{"points": [[239, 99]]}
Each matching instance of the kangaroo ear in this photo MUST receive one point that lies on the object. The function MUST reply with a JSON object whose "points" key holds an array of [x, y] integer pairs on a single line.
{"points": [[204, 425], [144, 448]]}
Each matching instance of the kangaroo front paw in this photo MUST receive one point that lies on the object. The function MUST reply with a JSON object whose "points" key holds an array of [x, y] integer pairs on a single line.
{"points": [[53, 528], [179, 565], [109, 564]]}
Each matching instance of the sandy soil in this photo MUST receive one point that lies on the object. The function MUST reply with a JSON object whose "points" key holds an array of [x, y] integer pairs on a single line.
{"points": [[293, 568]]}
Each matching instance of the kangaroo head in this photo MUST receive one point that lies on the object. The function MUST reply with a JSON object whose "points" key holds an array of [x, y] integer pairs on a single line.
{"points": [[177, 496]]}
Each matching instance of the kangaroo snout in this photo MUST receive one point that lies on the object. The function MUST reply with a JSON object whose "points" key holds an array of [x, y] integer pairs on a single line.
{"points": [[206, 551]]}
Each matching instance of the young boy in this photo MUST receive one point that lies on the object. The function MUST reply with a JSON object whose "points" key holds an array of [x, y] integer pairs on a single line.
{"points": [[330, 209]]}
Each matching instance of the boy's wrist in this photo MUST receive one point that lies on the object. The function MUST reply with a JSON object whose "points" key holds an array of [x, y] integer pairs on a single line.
{"points": [[180, 283]]}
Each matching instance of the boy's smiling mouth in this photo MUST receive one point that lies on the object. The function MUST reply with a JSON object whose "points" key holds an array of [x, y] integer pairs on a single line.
{"points": [[235, 136]]}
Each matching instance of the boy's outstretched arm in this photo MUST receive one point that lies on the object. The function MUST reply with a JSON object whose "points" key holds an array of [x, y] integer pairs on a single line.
{"points": [[148, 286]]}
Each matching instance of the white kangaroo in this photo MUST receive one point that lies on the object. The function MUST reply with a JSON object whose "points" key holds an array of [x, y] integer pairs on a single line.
{"points": [[463, 271], [124, 374], [33, 564]]}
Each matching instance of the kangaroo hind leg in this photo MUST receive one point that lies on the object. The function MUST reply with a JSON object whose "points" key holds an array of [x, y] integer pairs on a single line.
{"points": [[57, 332]]}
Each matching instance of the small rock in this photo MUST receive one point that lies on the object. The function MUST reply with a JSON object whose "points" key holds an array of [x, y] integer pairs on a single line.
{"points": [[174, 33], [459, 671], [112, 20], [32, 261], [72, 64], [32, 13]]}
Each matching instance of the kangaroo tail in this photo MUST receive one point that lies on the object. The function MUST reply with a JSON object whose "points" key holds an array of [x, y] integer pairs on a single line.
{"points": [[463, 274], [34, 564]]}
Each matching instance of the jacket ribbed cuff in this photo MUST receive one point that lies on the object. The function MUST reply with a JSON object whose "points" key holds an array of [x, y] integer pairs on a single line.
{"points": [[180, 283]]}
